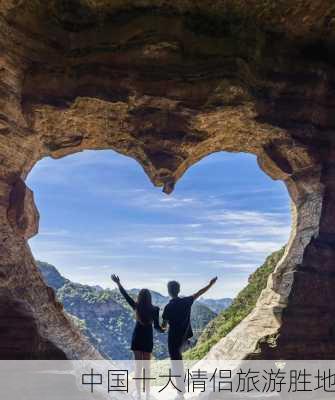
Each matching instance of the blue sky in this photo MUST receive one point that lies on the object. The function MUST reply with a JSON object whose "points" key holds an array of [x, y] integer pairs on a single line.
{"points": [[101, 214]]}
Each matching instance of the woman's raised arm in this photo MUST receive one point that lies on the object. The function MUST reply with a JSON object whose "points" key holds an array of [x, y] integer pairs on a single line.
{"points": [[123, 291]]}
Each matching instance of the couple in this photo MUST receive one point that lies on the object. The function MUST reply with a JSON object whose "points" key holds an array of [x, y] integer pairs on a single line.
{"points": [[176, 318]]}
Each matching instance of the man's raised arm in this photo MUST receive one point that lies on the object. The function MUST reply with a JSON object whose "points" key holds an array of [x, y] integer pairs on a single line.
{"points": [[204, 290]]}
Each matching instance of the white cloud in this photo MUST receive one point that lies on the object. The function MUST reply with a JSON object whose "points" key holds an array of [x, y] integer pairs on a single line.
{"points": [[175, 201], [60, 232], [230, 266], [193, 225], [246, 218], [163, 239]]}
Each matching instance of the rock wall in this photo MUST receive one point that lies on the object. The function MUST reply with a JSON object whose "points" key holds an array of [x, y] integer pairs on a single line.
{"points": [[167, 83], [20, 338]]}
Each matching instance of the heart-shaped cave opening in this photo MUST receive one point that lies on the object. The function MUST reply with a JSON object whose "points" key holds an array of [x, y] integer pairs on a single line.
{"points": [[100, 215]]}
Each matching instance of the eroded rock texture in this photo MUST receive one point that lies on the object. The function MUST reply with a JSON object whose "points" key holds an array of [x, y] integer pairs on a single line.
{"points": [[20, 338], [167, 83]]}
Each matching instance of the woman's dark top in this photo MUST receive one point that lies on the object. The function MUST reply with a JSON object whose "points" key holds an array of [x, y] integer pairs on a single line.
{"points": [[142, 339]]}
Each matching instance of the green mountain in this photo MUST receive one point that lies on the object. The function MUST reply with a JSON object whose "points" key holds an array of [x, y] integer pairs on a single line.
{"points": [[106, 319], [241, 306]]}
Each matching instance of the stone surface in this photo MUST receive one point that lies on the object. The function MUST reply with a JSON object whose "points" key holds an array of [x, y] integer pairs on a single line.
{"points": [[22, 213], [20, 338], [167, 83]]}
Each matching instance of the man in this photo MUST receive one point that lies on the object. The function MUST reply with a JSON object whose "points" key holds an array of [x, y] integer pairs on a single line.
{"points": [[177, 314]]}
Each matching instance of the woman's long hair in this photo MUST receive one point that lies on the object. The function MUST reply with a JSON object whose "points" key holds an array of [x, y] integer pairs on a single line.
{"points": [[144, 307]]}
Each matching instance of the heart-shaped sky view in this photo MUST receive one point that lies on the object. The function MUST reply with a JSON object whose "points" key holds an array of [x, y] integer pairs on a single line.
{"points": [[101, 214]]}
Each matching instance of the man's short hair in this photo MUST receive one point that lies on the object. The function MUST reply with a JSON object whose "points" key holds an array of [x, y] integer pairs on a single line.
{"points": [[173, 288]]}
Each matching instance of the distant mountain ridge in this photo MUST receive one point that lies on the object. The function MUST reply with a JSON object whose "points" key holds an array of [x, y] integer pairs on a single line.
{"points": [[217, 305], [105, 317], [51, 275]]}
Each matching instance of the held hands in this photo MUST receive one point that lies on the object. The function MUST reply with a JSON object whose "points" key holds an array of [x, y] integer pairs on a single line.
{"points": [[212, 281], [115, 279]]}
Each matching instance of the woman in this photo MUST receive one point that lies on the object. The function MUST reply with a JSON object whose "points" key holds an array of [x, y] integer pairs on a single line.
{"points": [[142, 340]]}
